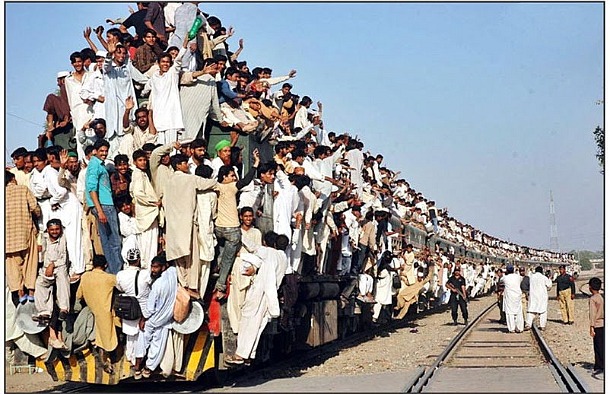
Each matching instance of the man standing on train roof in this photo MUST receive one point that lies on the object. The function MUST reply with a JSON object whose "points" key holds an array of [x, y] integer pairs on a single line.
{"points": [[565, 295], [457, 285], [539, 285], [512, 300]]}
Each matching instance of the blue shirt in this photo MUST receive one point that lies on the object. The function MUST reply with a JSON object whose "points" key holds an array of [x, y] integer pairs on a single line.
{"points": [[98, 180]]}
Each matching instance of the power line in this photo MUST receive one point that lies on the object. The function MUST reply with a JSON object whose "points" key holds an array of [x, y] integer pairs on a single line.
{"points": [[25, 120]]}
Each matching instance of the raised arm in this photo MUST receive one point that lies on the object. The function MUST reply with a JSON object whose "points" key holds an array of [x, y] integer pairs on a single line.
{"points": [[87, 35]]}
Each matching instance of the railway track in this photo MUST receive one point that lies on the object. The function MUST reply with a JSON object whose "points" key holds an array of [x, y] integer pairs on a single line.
{"points": [[485, 357], [297, 360]]}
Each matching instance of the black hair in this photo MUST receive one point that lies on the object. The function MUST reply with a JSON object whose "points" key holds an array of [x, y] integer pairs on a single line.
{"points": [[212, 20], [138, 153], [97, 121], [8, 177], [245, 209], [204, 171], [40, 154], [538, 269], [54, 151], [595, 283], [117, 33], [141, 109], [172, 48], [149, 147], [121, 158], [220, 58], [74, 56], [267, 70], [306, 100], [150, 31], [286, 85], [282, 241], [302, 181], [19, 152], [101, 142], [266, 167], [177, 159], [224, 171], [88, 149], [270, 239], [198, 143], [99, 260], [87, 53], [54, 222]]}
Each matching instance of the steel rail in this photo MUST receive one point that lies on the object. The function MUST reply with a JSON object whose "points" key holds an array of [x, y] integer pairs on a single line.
{"points": [[427, 376], [568, 382]]}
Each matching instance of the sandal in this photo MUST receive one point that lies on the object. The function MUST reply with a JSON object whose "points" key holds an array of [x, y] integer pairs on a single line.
{"points": [[137, 375], [23, 299], [234, 359], [146, 373], [30, 298]]}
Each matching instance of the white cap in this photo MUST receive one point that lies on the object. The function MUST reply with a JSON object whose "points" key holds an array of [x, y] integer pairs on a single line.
{"points": [[62, 74], [101, 54]]}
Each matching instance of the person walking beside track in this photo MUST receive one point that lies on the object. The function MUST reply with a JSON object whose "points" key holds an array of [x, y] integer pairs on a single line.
{"points": [[565, 295], [512, 300], [539, 285], [457, 285], [596, 323]]}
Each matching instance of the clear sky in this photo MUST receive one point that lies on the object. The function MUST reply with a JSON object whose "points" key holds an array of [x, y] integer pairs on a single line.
{"points": [[484, 107]]}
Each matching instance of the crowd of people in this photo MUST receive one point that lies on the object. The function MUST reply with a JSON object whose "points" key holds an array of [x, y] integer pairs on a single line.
{"points": [[125, 194]]}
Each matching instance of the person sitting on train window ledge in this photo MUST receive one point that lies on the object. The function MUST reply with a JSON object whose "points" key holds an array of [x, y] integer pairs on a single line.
{"points": [[126, 284], [565, 295], [54, 273], [261, 303], [95, 289], [148, 53], [158, 315], [58, 130], [409, 295]]}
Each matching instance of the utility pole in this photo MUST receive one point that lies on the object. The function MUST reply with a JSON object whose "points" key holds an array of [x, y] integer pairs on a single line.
{"points": [[554, 238]]}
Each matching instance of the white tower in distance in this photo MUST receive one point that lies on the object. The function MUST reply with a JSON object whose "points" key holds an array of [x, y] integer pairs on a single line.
{"points": [[554, 239]]}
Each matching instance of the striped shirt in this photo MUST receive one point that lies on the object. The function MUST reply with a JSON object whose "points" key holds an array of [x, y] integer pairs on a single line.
{"points": [[20, 205]]}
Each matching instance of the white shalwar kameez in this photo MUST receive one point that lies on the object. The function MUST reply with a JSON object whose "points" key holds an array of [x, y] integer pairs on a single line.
{"points": [[92, 89], [80, 111], [125, 283], [261, 304], [512, 302], [538, 298], [118, 86], [164, 100], [207, 203]]}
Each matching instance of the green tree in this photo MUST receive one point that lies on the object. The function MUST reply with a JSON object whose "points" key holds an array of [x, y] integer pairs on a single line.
{"points": [[599, 140]]}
